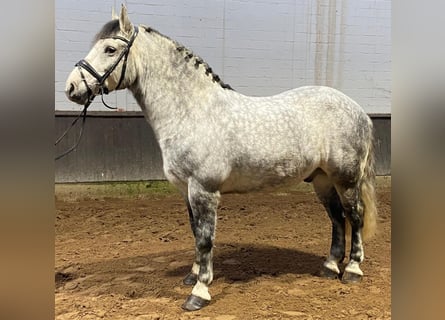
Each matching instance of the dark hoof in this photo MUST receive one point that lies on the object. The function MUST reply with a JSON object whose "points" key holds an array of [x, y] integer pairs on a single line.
{"points": [[328, 274], [190, 279], [349, 277], [194, 303]]}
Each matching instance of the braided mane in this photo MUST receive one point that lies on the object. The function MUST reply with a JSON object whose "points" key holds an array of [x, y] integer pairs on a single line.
{"points": [[189, 56]]}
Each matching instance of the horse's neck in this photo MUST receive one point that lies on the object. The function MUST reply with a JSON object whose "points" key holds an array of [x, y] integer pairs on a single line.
{"points": [[168, 87]]}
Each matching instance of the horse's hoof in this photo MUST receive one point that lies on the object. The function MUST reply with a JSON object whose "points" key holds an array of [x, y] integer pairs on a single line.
{"points": [[349, 277], [328, 274], [194, 303], [190, 279]]}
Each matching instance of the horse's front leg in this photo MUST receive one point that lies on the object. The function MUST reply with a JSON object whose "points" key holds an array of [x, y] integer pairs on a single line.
{"points": [[203, 205]]}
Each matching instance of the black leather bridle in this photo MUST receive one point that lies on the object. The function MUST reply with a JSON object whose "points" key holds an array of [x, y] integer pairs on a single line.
{"points": [[101, 78], [103, 89]]}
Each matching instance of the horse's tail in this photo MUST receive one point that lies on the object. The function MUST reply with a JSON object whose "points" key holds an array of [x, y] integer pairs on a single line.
{"points": [[367, 191]]}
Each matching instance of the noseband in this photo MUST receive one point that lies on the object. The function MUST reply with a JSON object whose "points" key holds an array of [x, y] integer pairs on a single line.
{"points": [[101, 78]]}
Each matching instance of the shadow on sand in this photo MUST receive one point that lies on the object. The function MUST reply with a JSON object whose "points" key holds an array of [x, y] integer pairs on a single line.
{"points": [[156, 275]]}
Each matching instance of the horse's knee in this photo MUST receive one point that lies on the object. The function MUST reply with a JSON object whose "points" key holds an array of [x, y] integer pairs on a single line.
{"points": [[203, 206], [204, 238]]}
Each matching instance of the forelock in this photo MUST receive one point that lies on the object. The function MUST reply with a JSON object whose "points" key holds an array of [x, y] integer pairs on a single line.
{"points": [[110, 29]]}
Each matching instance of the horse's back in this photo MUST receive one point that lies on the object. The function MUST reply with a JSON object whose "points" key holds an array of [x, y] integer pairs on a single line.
{"points": [[303, 106], [317, 103], [313, 116]]}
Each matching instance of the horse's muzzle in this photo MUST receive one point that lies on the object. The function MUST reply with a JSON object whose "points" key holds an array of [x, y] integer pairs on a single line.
{"points": [[74, 94]]}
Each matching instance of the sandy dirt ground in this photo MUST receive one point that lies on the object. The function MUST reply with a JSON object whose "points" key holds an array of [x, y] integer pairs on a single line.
{"points": [[124, 257]]}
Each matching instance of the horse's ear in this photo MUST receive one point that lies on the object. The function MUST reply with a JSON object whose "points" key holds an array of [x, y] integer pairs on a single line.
{"points": [[114, 15], [124, 21]]}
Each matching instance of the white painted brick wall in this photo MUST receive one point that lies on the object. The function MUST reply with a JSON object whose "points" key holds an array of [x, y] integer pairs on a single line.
{"points": [[259, 47]]}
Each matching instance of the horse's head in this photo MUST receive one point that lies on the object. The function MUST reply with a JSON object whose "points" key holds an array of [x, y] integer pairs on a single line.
{"points": [[104, 68]]}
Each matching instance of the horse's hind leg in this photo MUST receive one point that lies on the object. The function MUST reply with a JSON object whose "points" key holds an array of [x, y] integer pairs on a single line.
{"points": [[328, 196], [350, 198], [203, 206]]}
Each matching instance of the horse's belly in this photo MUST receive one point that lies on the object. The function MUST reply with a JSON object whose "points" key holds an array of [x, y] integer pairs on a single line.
{"points": [[240, 182]]}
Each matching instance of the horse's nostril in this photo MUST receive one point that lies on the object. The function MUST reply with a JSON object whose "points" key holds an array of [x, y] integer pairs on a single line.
{"points": [[71, 89]]}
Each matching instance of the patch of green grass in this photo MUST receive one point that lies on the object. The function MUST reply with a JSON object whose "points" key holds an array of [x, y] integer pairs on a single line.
{"points": [[131, 189]]}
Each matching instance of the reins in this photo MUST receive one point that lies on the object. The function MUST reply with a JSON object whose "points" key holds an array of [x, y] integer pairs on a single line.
{"points": [[103, 89], [83, 114]]}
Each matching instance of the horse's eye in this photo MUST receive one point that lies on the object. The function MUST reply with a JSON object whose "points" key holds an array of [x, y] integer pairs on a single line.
{"points": [[110, 50]]}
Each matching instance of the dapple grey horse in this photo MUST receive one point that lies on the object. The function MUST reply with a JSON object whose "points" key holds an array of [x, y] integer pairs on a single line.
{"points": [[215, 140]]}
